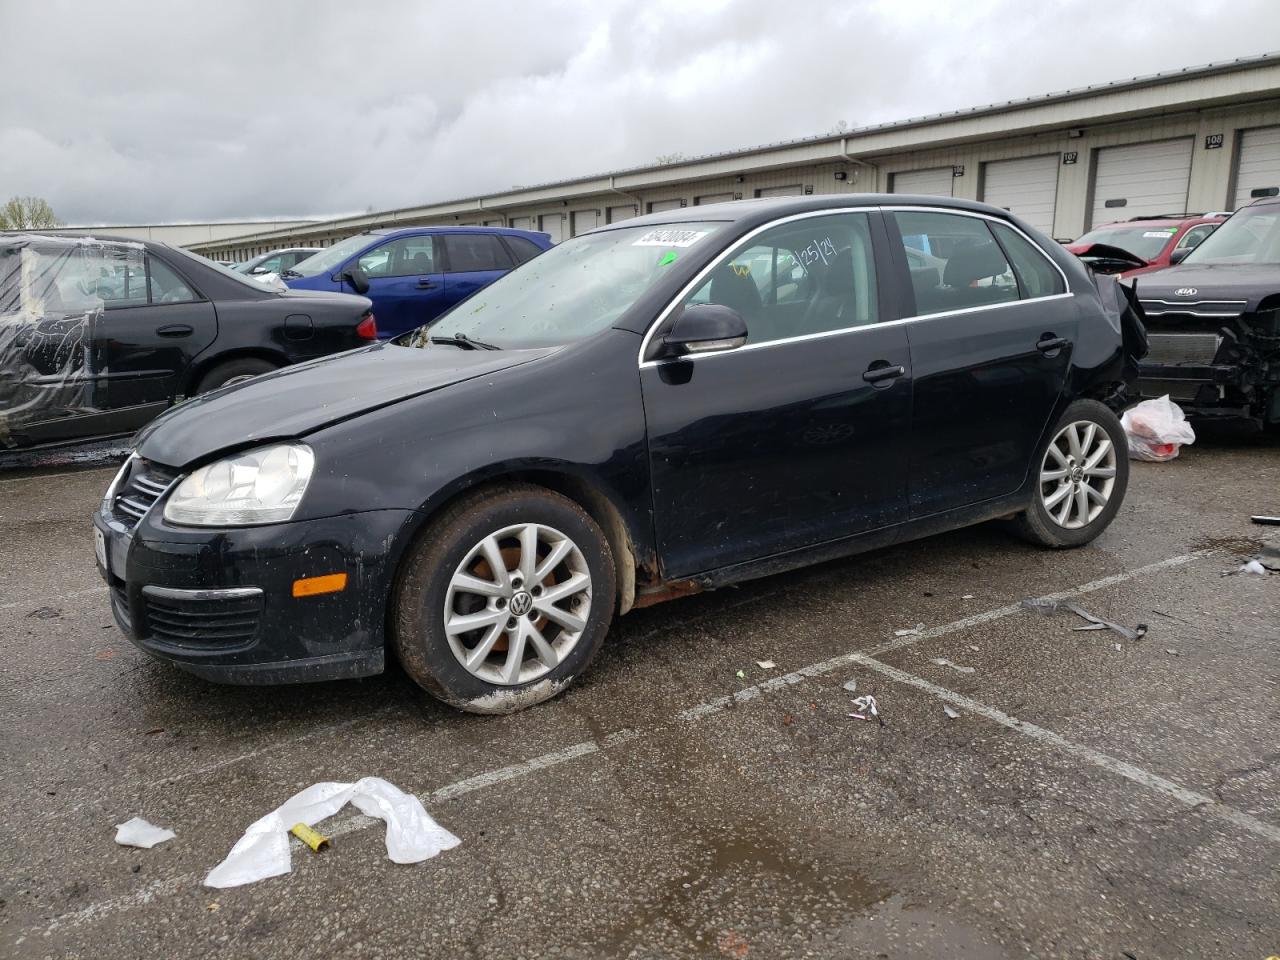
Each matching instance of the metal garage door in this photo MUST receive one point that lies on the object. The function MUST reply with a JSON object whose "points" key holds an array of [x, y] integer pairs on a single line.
{"points": [[585, 220], [794, 190], [706, 198], [1027, 188], [621, 213], [522, 223], [659, 205], [1141, 180], [1258, 166], [933, 183], [553, 224]]}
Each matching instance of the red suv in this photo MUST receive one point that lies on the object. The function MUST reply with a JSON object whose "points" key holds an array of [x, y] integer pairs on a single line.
{"points": [[1144, 244]]}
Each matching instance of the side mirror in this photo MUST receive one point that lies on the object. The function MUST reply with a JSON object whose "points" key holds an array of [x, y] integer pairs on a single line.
{"points": [[1180, 254], [703, 328], [355, 276]]}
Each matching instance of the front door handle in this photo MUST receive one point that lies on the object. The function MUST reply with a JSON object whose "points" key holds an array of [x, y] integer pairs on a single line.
{"points": [[426, 284], [175, 330], [1048, 343], [883, 372]]}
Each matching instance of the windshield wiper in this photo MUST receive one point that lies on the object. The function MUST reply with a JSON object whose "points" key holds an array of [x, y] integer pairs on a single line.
{"points": [[466, 343]]}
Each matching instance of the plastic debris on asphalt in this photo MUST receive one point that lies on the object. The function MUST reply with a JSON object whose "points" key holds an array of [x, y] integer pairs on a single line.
{"points": [[263, 851], [1266, 521], [1253, 566], [1156, 430], [1046, 606], [913, 631], [138, 833], [950, 713], [866, 709], [944, 662], [765, 664], [741, 674], [967, 596], [851, 685]]}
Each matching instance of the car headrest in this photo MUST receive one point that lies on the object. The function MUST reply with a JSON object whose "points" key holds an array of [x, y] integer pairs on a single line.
{"points": [[975, 262]]}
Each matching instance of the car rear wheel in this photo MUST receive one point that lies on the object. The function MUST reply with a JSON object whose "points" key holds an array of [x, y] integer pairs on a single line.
{"points": [[234, 371], [506, 598], [1083, 475]]}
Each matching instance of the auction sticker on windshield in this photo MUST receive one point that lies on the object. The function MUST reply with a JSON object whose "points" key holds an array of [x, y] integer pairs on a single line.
{"points": [[670, 238]]}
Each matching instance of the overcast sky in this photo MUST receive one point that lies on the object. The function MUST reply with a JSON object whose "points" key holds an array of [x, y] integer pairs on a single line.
{"points": [[125, 112]]}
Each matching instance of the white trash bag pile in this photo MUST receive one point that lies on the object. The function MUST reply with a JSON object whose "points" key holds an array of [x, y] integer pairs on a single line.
{"points": [[1156, 429]]}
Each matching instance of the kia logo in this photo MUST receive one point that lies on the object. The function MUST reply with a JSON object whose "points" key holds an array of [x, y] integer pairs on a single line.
{"points": [[1185, 292]]}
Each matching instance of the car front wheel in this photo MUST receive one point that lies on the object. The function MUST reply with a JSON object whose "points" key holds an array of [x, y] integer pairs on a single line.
{"points": [[505, 600], [1083, 473]]}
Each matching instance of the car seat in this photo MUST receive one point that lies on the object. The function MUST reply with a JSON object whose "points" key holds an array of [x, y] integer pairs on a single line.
{"points": [[738, 292], [969, 264]]}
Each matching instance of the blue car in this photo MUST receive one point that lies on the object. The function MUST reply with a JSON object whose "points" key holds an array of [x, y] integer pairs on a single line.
{"points": [[413, 275]]}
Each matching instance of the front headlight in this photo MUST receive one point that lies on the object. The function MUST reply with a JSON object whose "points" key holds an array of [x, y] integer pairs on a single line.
{"points": [[258, 486]]}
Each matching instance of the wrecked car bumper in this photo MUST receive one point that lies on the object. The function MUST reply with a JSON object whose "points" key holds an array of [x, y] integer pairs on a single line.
{"points": [[222, 603]]}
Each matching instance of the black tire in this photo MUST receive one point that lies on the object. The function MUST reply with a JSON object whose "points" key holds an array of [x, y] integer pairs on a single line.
{"points": [[418, 634], [241, 368], [1036, 524]]}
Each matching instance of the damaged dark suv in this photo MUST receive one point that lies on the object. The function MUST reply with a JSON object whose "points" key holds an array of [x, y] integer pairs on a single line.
{"points": [[670, 404], [1214, 321]]}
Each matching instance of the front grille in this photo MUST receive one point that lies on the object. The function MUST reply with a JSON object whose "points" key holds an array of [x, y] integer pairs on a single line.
{"points": [[120, 605], [1218, 309], [200, 623], [139, 489], [1182, 348]]}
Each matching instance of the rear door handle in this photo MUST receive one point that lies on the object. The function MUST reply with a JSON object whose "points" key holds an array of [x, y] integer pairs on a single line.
{"points": [[882, 372], [1049, 343], [426, 284], [175, 330]]}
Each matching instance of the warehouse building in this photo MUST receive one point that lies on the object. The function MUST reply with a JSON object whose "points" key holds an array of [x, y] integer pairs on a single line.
{"points": [[194, 235], [1194, 140]]}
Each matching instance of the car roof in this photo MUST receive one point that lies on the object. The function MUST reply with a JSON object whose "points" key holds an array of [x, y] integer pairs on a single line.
{"points": [[407, 231], [770, 208]]}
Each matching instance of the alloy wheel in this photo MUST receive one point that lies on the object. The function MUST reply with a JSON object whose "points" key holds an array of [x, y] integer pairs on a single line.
{"points": [[1078, 474], [517, 604]]}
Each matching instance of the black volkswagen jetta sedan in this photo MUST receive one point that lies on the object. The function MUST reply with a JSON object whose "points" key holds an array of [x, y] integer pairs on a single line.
{"points": [[663, 406]]}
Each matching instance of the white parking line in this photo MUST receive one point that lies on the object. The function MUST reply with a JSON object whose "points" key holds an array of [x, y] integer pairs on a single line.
{"points": [[48, 601], [147, 894], [61, 473], [1196, 801]]}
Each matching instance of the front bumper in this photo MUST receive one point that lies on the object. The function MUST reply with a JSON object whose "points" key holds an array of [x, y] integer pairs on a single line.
{"points": [[219, 603]]}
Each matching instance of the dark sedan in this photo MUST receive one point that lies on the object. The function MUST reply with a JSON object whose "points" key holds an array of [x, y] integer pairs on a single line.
{"points": [[98, 336], [672, 404]]}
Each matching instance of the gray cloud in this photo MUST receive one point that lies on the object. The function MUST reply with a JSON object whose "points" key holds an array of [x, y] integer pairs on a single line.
{"points": [[153, 112]]}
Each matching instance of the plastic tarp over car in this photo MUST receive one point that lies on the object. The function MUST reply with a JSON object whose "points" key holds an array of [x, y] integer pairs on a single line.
{"points": [[52, 336]]}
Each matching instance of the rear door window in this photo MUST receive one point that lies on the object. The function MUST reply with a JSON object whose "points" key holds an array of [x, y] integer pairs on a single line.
{"points": [[475, 252], [955, 262]]}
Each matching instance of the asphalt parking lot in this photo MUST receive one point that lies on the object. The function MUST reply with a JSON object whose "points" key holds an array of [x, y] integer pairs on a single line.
{"points": [[1089, 801]]}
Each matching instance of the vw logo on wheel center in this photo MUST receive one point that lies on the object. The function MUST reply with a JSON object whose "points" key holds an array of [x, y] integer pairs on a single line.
{"points": [[521, 603], [1185, 292]]}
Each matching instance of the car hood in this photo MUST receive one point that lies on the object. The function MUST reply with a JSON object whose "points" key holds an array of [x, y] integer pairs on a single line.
{"points": [[1243, 285], [299, 400]]}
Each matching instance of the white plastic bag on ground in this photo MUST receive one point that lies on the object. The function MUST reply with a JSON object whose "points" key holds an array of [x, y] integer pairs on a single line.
{"points": [[138, 833], [263, 851], [1156, 429]]}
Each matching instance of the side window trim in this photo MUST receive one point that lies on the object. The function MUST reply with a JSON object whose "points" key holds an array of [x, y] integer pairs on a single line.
{"points": [[1013, 267]]}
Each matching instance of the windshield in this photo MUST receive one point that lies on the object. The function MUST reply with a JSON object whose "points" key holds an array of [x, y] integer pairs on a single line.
{"points": [[575, 289], [1252, 235], [330, 257], [1145, 242]]}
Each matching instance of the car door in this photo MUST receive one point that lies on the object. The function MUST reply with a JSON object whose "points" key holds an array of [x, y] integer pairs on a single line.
{"points": [[472, 261], [990, 350], [150, 333], [406, 283], [801, 435]]}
